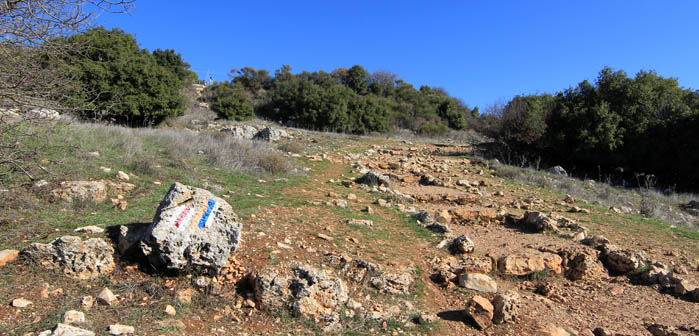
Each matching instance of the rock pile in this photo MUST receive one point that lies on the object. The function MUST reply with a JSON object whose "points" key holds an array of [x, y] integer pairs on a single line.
{"points": [[80, 259]]}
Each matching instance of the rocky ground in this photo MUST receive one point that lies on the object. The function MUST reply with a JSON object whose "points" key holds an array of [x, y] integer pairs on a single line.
{"points": [[376, 237]]}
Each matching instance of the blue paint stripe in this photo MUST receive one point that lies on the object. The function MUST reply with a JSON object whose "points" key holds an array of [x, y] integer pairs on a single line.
{"points": [[209, 207]]}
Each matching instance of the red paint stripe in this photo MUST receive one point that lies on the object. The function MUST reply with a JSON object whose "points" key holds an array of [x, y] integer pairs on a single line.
{"points": [[182, 215]]}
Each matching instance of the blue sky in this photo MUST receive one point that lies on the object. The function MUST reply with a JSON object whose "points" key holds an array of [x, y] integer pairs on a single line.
{"points": [[480, 51]]}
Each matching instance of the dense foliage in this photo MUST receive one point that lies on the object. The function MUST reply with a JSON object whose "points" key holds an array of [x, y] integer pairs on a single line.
{"points": [[230, 102], [628, 126], [125, 83], [348, 100]]}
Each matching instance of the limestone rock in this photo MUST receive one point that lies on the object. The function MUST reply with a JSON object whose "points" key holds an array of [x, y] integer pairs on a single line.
{"points": [[74, 317], [106, 297], [193, 230], [68, 330], [93, 191], [89, 229], [270, 134], [21, 303], [622, 261], [663, 330], [185, 295], [120, 329], [241, 132], [461, 245], [307, 292], [480, 310], [506, 307], [81, 259], [360, 222], [472, 264], [538, 222], [478, 282], [582, 264], [8, 256], [393, 283], [527, 263], [558, 170], [122, 176], [170, 310], [374, 178]]}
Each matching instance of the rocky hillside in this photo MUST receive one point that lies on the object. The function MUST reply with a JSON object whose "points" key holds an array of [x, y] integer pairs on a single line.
{"points": [[357, 236]]}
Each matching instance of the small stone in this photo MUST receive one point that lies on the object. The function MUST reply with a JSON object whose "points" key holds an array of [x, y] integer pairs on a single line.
{"points": [[122, 176], [87, 302], [73, 317], [478, 282], [325, 237], [8, 256], [120, 329], [106, 170], [480, 311], [382, 203], [368, 210], [92, 154], [170, 310], [40, 183], [360, 222], [461, 245], [185, 295], [351, 197], [21, 303], [340, 203], [89, 229], [106, 297], [426, 318], [249, 303]]}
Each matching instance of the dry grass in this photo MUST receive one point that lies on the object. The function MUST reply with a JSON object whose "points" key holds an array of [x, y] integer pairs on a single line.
{"points": [[221, 151]]}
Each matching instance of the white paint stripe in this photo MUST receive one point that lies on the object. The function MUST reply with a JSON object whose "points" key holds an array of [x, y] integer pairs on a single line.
{"points": [[211, 215], [186, 220]]}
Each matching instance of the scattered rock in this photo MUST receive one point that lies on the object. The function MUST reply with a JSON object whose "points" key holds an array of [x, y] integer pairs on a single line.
{"points": [[270, 134], [527, 263], [506, 307], [170, 323], [537, 222], [89, 229], [308, 293], [87, 301], [21, 303], [478, 282], [352, 197], [74, 317], [622, 261], [663, 330], [241, 132], [480, 311], [106, 297], [461, 245], [472, 264], [8, 256], [91, 191], [81, 259], [426, 318], [325, 237], [122, 176], [40, 183], [193, 230], [393, 283], [170, 310], [582, 264], [185, 295], [340, 203], [360, 222], [120, 329], [374, 178], [68, 330]]}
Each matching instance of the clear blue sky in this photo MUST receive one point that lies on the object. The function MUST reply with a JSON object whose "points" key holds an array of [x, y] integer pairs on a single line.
{"points": [[479, 51]]}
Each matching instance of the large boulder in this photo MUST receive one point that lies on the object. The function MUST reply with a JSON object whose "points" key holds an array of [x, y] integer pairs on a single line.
{"points": [[81, 259], [519, 264], [193, 231], [270, 134], [308, 292]]}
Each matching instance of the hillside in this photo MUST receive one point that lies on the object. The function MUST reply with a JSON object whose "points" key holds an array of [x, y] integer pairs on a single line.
{"points": [[324, 248]]}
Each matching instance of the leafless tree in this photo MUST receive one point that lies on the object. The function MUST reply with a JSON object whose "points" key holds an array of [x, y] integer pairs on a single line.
{"points": [[33, 85]]}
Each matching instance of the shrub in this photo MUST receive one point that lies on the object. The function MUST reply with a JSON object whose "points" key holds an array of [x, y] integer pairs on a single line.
{"points": [[432, 129], [274, 163], [291, 147], [231, 103]]}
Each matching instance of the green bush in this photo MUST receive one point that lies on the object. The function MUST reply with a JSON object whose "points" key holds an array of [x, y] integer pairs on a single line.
{"points": [[231, 102]]}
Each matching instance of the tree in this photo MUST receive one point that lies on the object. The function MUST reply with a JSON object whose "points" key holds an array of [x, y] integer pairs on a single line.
{"points": [[231, 102], [31, 75], [125, 83]]}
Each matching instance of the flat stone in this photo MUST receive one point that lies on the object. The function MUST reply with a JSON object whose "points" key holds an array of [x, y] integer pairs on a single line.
{"points": [[74, 317], [68, 330], [478, 282], [89, 229], [170, 310], [120, 329], [527, 263], [21, 303]]}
